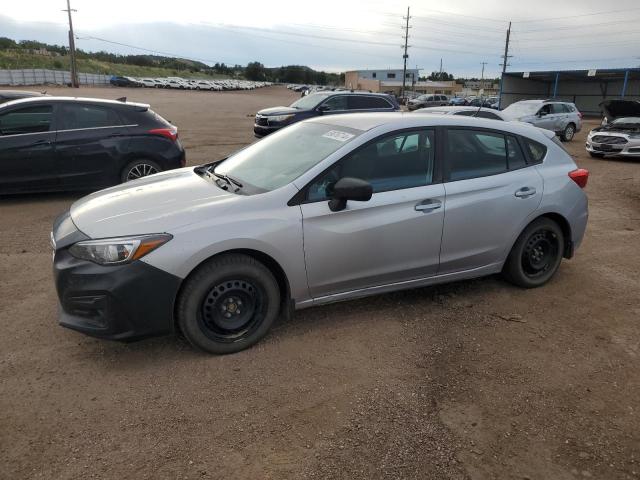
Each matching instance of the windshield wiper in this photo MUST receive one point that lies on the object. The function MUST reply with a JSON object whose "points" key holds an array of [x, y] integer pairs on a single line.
{"points": [[227, 178]]}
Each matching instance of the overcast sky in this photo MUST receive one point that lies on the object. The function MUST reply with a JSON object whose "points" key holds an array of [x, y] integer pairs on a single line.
{"points": [[342, 35]]}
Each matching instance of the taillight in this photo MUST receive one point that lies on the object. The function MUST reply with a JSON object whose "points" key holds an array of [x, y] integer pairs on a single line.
{"points": [[580, 176], [171, 133], [580, 115]]}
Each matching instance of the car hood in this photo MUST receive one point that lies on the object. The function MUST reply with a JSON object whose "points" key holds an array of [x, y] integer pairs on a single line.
{"points": [[621, 108], [278, 111], [154, 204]]}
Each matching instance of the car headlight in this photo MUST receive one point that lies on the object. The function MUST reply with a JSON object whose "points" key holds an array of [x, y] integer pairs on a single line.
{"points": [[119, 250], [280, 118]]}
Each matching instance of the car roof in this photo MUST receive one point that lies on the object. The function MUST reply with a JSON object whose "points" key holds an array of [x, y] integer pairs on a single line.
{"points": [[19, 94], [460, 108], [399, 120], [27, 101]]}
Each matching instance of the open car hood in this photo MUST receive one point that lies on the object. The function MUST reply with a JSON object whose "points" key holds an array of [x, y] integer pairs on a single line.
{"points": [[620, 108]]}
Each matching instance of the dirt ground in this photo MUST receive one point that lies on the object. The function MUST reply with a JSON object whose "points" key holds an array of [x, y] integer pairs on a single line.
{"points": [[473, 380]]}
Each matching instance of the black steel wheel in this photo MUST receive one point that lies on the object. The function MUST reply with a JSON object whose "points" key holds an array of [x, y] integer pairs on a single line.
{"points": [[536, 255], [228, 304]]}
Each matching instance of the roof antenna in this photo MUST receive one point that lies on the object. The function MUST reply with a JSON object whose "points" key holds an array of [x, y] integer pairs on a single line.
{"points": [[121, 99]]}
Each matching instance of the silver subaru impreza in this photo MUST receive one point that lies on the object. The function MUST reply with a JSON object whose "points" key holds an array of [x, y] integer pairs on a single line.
{"points": [[327, 209]]}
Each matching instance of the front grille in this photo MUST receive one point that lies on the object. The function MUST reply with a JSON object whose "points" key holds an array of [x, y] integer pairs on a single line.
{"points": [[606, 148], [608, 139], [260, 120]]}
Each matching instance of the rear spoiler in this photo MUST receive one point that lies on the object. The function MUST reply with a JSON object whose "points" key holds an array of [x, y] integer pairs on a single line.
{"points": [[138, 107]]}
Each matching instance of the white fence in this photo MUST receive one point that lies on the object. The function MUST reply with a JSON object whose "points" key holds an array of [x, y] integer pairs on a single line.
{"points": [[38, 76]]}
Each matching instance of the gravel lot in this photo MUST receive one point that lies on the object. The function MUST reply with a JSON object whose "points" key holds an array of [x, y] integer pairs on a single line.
{"points": [[475, 379]]}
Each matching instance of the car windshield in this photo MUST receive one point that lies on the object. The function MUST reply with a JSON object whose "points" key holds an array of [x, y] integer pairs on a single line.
{"points": [[517, 110], [309, 102], [626, 121], [283, 156]]}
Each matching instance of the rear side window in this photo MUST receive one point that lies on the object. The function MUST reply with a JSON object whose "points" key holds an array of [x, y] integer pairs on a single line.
{"points": [[35, 119], [337, 102], [514, 153], [472, 154], [77, 116], [363, 102], [535, 151]]}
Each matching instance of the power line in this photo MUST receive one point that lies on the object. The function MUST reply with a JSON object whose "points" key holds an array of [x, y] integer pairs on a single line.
{"points": [[574, 27], [606, 12]]}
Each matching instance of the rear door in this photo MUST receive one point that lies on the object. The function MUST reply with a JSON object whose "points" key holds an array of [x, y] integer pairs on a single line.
{"points": [[90, 142], [26, 148], [393, 237], [490, 191]]}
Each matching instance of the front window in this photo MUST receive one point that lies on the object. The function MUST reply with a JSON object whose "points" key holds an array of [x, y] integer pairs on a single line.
{"points": [[280, 158], [309, 102], [36, 119]]}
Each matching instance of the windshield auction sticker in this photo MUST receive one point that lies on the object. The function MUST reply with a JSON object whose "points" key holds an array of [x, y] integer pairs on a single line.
{"points": [[338, 135]]}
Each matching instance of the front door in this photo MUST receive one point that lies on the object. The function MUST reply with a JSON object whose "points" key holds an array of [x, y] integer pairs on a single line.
{"points": [[393, 237], [490, 192], [26, 149]]}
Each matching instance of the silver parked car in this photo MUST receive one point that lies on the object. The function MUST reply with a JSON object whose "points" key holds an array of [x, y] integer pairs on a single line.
{"points": [[328, 209], [560, 117], [424, 101]]}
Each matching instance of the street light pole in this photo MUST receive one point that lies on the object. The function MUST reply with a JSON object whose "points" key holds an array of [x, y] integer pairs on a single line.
{"points": [[72, 48]]}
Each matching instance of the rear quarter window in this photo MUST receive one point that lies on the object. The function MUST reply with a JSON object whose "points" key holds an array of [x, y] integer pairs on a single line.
{"points": [[535, 151]]}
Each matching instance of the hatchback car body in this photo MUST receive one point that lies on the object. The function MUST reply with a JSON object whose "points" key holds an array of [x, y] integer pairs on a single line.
{"points": [[424, 101], [64, 143], [269, 120], [478, 112], [329, 209], [563, 118]]}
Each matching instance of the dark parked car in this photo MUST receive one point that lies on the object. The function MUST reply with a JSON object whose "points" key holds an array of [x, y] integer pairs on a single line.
{"points": [[63, 143], [124, 82], [321, 103], [9, 95]]}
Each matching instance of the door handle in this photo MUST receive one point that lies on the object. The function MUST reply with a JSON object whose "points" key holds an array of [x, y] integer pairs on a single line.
{"points": [[428, 206], [42, 142], [525, 192]]}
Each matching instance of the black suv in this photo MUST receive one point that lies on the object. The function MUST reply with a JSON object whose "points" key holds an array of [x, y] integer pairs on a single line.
{"points": [[315, 104], [63, 143]]}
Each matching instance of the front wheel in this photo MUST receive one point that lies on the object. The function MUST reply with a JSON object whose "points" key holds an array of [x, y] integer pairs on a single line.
{"points": [[536, 255], [228, 304], [569, 132]]}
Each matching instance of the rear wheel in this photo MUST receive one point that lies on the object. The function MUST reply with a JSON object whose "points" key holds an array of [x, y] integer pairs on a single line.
{"points": [[228, 304], [138, 169], [569, 132], [536, 255]]}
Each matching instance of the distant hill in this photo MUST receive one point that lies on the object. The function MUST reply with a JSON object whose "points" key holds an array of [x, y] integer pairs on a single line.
{"points": [[33, 54]]}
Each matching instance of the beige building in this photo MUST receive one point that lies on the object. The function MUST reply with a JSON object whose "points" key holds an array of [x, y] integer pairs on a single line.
{"points": [[383, 83]]}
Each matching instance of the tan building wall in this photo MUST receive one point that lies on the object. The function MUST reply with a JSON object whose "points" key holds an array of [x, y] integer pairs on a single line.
{"points": [[353, 82]]}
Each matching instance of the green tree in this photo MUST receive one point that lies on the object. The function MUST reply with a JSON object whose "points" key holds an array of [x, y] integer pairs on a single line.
{"points": [[255, 71]]}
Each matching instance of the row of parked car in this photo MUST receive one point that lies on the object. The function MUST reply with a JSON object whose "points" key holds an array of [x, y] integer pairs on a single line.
{"points": [[186, 84]]}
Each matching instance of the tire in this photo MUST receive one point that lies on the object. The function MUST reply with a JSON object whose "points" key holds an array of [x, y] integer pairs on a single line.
{"points": [[596, 155], [568, 133], [536, 255], [210, 307], [138, 169]]}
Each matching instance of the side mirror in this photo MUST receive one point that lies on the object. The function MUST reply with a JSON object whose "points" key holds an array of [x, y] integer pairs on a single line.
{"points": [[324, 108], [349, 188]]}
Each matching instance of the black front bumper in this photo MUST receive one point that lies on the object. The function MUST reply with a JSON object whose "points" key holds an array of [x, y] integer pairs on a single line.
{"points": [[125, 302], [263, 130]]}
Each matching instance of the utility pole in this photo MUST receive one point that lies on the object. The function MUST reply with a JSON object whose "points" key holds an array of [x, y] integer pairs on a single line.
{"points": [[482, 78], [72, 48], [504, 64], [406, 55], [440, 76]]}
